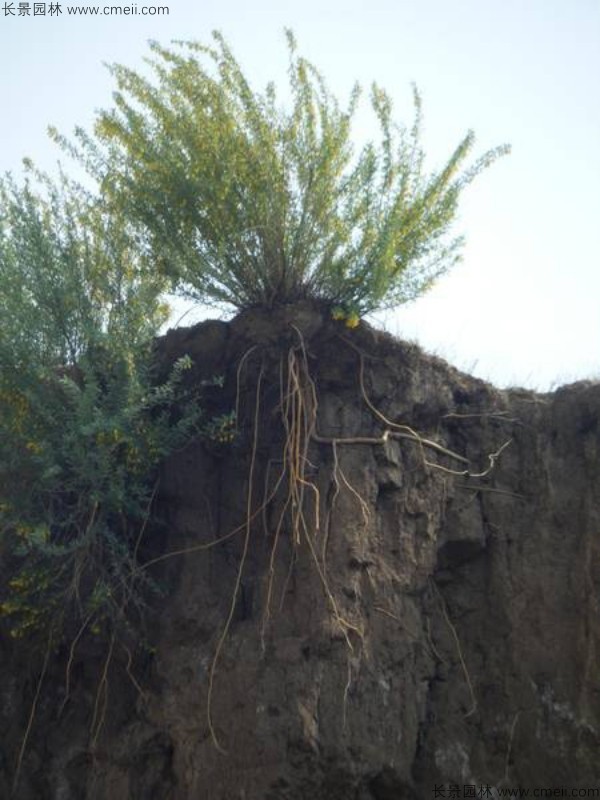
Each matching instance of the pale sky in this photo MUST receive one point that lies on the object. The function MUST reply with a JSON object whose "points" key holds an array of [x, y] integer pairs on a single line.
{"points": [[523, 308]]}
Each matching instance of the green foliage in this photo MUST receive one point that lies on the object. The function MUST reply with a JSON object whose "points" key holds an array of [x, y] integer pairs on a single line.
{"points": [[246, 203], [222, 428], [83, 426]]}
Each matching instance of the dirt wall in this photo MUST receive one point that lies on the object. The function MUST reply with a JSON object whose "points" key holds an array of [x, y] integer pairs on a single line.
{"points": [[418, 603]]}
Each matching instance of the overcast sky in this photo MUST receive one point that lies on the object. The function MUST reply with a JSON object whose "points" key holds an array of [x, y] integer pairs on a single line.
{"points": [[523, 308]]}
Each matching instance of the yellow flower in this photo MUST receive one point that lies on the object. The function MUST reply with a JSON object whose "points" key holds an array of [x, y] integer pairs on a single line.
{"points": [[352, 320]]}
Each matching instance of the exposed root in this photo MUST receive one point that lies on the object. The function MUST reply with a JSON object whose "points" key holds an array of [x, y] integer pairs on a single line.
{"points": [[337, 471], [434, 649], [69, 666], [332, 501], [387, 613], [299, 501], [288, 578], [249, 516], [130, 674], [345, 626], [302, 509], [238, 374], [491, 489], [144, 524], [299, 413], [419, 440], [492, 458], [101, 702], [272, 560], [303, 386], [299, 416], [195, 548], [396, 430], [364, 508], [353, 663], [501, 416], [268, 496], [459, 651]]}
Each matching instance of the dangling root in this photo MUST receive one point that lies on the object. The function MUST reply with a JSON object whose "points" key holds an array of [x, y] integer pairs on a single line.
{"points": [[301, 501], [364, 508], [459, 651], [396, 430], [130, 674], [101, 701], [299, 406], [299, 414], [240, 571], [69, 666]]}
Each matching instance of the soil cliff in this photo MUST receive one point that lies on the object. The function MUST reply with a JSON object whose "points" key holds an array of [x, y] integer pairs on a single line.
{"points": [[384, 578]]}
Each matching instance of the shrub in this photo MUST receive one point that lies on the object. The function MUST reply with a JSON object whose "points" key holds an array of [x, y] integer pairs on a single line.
{"points": [[247, 203], [83, 426]]}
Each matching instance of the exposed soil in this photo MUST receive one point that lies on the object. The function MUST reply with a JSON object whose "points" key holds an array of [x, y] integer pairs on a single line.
{"points": [[395, 626]]}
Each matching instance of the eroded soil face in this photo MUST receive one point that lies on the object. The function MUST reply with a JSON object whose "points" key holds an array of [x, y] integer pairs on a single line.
{"points": [[404, 592]]}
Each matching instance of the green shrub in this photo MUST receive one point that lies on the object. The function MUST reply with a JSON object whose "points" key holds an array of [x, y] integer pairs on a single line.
{"points": [[83, 427], [247, 203]]}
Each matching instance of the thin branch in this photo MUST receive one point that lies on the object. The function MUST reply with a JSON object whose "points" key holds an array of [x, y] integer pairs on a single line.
{"points": [[32, 713]]}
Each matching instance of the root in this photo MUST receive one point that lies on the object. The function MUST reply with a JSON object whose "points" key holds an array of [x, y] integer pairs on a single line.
{"points": [[364, 509], [434, 649], [396, 430], [501, 416], [238, 374], [301, 506], [477, 489], [391, 434], [249, 517], [130, 674], [332, 502], [101, 702], [300, 427], [78, 636], [276, 536], [288, 577], [195, 548], [413, 634], [144, 524], [352, 662], [298, 414], [459, 651], [345, 626]]}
